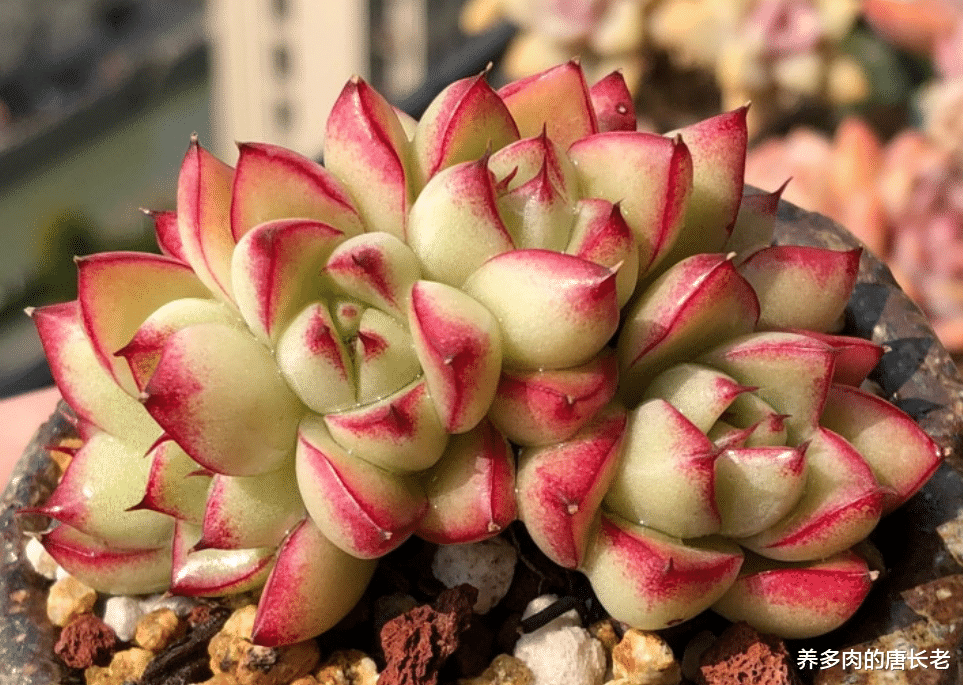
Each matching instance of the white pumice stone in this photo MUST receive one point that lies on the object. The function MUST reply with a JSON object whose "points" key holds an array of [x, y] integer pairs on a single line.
{"points": [[40, 560], [179, 605], [561, 652], [488, 565], [122, 613]]}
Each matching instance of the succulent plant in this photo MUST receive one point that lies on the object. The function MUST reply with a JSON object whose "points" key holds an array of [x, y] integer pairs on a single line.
{"points": [[326, 360], [777, 54], [903, 197], [605, 34]]}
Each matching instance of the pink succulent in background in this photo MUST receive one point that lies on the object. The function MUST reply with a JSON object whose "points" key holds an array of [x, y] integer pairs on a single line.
{"points": [[604, 34], [904, 199], [780, 53], [917, 25], [774, 53], [329, 359]]}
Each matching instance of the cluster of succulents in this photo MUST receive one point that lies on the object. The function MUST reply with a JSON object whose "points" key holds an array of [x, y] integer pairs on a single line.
{"points": [[774, 53], [517, 307], [903, 196], [605, 35]]}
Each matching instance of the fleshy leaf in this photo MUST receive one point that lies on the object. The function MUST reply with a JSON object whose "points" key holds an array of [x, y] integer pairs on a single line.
{"points": [[791, 372], [360, 507], [365, 146], [471, 490], [99, 492], [299, 600], [700, 393], [530, 292], [601, 235], [666, 477], [276, 271], [755, 223], [400, 432], [901, 455], [651, 183], [797, 601], [537, 213], [841, 505], [460, 124], [85, 385], [215, 572], [518, 163], [855, 357], [384, 357], [456, 214], [117, 291], [315, 361], [548, 406], [693, 305], [560, 486], [376, 268], [756, 486], [144, 349], [251, 511], [218, 393], [173, 485], [613, 104], [653, 581], [272, 182], [533, 104], [800, 286], [718, 149], [107, 568], [204, 218], [459, 345], [168, 238]]}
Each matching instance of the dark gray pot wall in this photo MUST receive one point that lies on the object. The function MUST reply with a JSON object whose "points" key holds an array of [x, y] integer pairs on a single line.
{"points": [[917, 602]]}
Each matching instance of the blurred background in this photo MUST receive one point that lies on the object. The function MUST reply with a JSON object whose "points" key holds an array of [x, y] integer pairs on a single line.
{"points": [[859, 101]]}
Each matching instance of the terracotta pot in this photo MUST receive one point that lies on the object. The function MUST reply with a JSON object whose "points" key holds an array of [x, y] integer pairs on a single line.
{"points": [[917, 602]]}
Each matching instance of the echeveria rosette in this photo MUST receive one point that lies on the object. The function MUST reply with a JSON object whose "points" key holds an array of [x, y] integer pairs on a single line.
{"points": [[288, 391], [748, 462], [326, 360], [289, 377]]}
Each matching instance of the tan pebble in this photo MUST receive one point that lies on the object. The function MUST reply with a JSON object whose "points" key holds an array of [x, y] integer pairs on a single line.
{"points": [[68, 597], [232, 652], [126, 666], [159, 628], [241, 622], [347, 667], [306, 680], [277, 665], [221, 679], [229, 644], [504, 670], [604, 632], [643, 658]]}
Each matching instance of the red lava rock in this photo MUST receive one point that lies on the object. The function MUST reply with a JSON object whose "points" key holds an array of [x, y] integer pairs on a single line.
{"points": [[742, 655], [199, 614], [417, 643], [86, 641]]}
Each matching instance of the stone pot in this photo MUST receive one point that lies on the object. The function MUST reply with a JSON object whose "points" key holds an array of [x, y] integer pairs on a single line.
{"points": [[917, 603]]}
